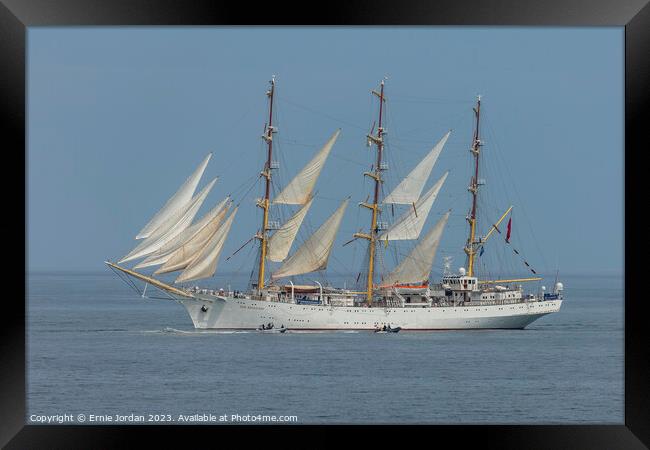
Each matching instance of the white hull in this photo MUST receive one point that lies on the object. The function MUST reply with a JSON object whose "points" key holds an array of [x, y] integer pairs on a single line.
{"points": [[247, 314]]}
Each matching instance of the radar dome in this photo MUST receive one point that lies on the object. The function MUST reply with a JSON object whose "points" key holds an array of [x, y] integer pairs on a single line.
{"points": [[543, 288], [461, 271], [559, 286]]}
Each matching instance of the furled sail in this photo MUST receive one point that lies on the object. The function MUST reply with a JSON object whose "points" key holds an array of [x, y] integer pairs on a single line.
{"points": [[279, 244], [164, 253], [416, 267], [409, 225], [314, 253], [298, 191], [183, 256], [179, 200], [409, 190], [205, 263], [171, 228]]}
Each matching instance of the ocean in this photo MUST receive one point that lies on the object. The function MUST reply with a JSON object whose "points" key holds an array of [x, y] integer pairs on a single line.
{"points": [[99, 354]]}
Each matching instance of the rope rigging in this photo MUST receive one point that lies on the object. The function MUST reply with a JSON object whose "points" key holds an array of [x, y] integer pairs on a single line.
{"points": [[389, 147]]}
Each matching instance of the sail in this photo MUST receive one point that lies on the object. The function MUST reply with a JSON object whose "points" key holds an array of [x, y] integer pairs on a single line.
{"points": [[179, 200], [279, 244], [416, 267], [205, 263], [184, 255], [314, 253], [164, 253], [298, 191], [171, 228], [409, 225], [409, 190]]}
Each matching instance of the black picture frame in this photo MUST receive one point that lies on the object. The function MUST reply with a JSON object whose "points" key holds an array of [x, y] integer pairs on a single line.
{"points": [[634, 15]]}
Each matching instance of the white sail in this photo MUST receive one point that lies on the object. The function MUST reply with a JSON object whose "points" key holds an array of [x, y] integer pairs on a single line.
{"points": [[171, 228], [298, 191], [179, 200], [409, 190], [205, 263], [409, 225], [314, 253], [184, 255], [416, 267], [279, 244], [164, 253]]}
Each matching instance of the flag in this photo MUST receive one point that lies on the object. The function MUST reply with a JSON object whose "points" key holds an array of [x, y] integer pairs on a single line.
{"points": [[509, 229]]}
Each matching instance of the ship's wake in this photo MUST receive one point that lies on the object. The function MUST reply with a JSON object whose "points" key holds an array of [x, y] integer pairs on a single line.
{"points": [[196, 332], [199, 332]]}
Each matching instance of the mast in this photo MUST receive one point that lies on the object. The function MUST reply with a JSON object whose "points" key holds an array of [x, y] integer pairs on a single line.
{"points": [[378, 140], [266, 173], [470, 248]]}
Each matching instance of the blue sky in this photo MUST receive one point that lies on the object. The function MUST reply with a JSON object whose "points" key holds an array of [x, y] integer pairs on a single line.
{"points": [[119, 117]]}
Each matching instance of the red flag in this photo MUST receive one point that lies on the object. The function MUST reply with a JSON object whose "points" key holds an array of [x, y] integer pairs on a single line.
{"points": [[509, 228]]}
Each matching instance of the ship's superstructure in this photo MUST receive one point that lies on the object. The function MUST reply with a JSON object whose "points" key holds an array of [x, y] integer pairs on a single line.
{"points": [[402, 297]]}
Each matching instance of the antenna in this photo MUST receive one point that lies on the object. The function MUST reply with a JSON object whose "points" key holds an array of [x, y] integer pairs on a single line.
{"points": [[446, 264]]}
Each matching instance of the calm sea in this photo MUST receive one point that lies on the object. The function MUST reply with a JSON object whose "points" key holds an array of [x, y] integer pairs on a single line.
{"points": [[95, 348]]}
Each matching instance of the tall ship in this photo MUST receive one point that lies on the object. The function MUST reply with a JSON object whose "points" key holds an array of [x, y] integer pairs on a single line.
{"points": [[402, 297]]}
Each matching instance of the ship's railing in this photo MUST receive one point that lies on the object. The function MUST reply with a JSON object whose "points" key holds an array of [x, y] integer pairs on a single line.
{"points": [[271, 298], [391, 302], [509, 301]]}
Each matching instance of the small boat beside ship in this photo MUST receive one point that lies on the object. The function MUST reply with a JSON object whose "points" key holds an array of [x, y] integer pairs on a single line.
{"points": [[270, 328], [387, 329]]}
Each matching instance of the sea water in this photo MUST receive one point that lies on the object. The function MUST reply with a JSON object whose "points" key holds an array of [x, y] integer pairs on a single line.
{"points": [[95, 348]]}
